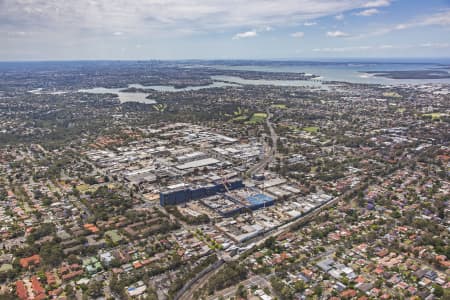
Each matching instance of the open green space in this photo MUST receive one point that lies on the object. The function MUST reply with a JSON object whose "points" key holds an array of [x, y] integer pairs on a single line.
{"points": [[279, 106], [240, 118], [160, 107], [311, 129], [392, 95], [434, 116], [257, 118], [114, 236]]}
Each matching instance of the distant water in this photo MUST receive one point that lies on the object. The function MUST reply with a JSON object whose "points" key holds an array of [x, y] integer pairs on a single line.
{"points": [[347, 72], [294, 83], [123, 96], [169, 88], [142, 97]]}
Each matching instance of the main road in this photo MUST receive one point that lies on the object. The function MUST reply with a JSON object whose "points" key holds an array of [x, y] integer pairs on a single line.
{"points": [[268, 158]]}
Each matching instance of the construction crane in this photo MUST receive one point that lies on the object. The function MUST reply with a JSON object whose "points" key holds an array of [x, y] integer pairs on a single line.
{"points": [[242, 199]]}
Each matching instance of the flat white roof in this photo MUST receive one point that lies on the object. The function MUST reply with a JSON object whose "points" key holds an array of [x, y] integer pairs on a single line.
{"points": [[198, 163]]}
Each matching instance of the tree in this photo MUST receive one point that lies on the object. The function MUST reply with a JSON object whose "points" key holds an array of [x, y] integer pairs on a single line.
{"points": [[438, 291], [51, 253], [3, 195], [270, 243], [318, 290], [95, 289], [241, 291], [70, 292], [299, 286]]}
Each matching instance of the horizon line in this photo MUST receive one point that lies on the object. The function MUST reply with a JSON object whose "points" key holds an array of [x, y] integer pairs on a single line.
{"points": [[312, 59]]}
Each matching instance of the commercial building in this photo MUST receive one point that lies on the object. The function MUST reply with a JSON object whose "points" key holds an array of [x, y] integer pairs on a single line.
{"points": [[181, 193]]}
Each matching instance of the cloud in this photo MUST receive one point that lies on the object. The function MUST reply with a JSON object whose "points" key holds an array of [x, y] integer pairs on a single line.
{"points": [[381, 47], [141, 17], [252, 33], [342, 49], [435, 45], [337, 34], [378, 3], [442, 18], [308, 23], [339, 17], [438, 19], [298, 34], [245, 35], [117, 33], [368, 12]]}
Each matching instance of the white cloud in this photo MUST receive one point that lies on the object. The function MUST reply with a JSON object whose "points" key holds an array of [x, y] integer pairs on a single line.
{"points": [[298, 34], [368, 12], [381, 47], [343, 49], [308, 23], [438, 19], [442, 18], [245, 35], [378, 3], [337, 34], [18, 33], [141, 17], [435, 45], [360, 48], [339, 17], [118, 33], [252, 33]]}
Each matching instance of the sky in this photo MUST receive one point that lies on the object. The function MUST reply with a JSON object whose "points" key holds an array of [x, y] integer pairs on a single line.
{"points": [[223, 29]]}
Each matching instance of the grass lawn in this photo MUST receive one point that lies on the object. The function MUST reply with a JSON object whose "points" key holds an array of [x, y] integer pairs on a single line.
{"points": [[240, 118], [279, 106], [114, 236], [392, 95], [257, 118], [160, 107], [435, 116], [311, 129], [83, 187]]}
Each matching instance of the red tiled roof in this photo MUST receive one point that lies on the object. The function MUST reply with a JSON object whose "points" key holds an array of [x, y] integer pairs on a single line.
{"points": [[21, 291], [72, 275], [40, 297], [25, 262], [378, 271], [36, 285], [91, 227], [348, 293]]}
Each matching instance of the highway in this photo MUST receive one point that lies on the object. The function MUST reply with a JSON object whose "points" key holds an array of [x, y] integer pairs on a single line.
{"points": [[255, 280], [272, 150]]}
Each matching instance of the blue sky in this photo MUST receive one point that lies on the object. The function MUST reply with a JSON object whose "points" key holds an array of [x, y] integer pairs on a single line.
{"points": [[218, 29]]}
